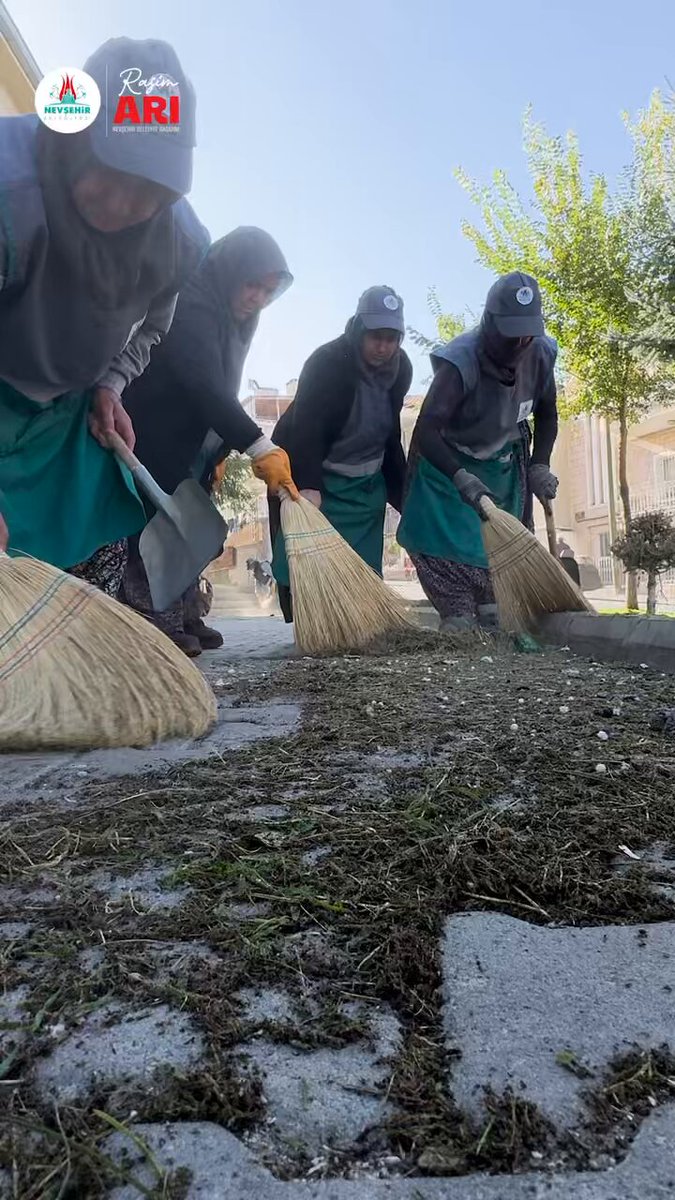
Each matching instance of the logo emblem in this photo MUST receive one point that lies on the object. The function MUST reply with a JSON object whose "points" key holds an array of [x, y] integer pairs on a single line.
{"points": [[67, 100], [148, 105], [390, 302], [525, 295]]}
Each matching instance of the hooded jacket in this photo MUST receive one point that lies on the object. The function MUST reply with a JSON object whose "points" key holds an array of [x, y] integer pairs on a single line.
{"points": [[191, 386]]}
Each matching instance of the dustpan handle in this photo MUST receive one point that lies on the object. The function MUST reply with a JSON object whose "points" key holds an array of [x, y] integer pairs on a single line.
{"points": [[142, 477], [550, 527]]}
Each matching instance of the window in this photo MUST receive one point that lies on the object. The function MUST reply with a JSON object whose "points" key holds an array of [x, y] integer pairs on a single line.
{"points": [[664, 468], [604, 545], [596, 461]]}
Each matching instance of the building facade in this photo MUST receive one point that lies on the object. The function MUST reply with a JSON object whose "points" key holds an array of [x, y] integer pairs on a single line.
{"points": [[19, 72], [588, 509]]}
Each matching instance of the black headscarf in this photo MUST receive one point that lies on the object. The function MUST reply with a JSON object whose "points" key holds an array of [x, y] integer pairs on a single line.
{"points": [[499, 355]]}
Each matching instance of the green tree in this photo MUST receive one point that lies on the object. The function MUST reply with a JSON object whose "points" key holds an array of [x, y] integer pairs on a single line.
{"points": [[235, 491], [649, 546], [592, 252], [448, 325]]}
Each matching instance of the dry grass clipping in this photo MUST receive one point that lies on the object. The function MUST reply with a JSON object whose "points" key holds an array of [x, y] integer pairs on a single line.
{"points": [[79, 671], [528, 581], [339, 603]]}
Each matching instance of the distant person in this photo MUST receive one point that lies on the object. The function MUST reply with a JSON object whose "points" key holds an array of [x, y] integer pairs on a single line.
{"points": [[95, 242], [472, 440], [567, 560], [343, 431], [186, 410]]}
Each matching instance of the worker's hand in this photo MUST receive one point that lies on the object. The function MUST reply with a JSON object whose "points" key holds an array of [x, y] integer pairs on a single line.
{"points": [[108, 415], [542, 481], [274, 468], [313, 496], [4, 533], [471, 489]]}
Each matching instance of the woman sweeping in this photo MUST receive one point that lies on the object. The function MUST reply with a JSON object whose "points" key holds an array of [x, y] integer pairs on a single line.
{"points": [[472, 440], [185, 407], [343, 431], [94, 245]]}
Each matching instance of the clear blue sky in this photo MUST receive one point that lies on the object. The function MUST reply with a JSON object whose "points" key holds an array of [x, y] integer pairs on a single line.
{"points": [[336, 125]]}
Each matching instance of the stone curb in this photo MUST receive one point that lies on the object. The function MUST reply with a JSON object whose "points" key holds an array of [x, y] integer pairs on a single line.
{"points": [[612, 637]]}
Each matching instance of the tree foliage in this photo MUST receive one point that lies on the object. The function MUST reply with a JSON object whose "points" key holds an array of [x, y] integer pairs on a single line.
{"points": [[648, 547], [597, 256], [234, 491], [448, 325]]}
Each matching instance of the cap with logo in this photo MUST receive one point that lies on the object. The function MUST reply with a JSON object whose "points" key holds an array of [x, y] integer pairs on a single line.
{"points": [[381, 308], [514, 302], [162, 154]]}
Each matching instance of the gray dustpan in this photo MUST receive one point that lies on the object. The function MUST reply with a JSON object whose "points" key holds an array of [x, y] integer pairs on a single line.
{"points": [[186, 533]]}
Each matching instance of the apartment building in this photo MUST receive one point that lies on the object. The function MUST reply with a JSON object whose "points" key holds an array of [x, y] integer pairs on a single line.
{"points": [[588, 508], [19, 72]]}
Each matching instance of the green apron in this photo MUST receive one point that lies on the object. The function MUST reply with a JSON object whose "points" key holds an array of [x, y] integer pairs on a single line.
{"points": [[62, 495], [437, 522], [355, 506]]}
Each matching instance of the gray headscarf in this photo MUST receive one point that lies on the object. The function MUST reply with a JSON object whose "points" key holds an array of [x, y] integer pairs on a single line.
{"points": [[85, 290], [246, 255]]}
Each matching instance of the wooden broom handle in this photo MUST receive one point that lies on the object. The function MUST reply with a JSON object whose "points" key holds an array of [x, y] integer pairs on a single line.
{"points": [[550, 527]]}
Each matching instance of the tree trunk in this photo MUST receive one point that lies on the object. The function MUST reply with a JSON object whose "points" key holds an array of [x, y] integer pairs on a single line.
{"points": [[631, 577], [651, 594]]}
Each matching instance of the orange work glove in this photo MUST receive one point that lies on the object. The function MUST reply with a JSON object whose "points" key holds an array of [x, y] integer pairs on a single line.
{"points": [[274, 468]]}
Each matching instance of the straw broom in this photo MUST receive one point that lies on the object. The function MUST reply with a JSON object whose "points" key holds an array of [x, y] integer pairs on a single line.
{"points": [[79, 671], [339, 603], [528, 581]]}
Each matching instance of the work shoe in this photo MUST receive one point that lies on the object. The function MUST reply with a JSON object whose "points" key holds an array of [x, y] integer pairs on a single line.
{"points": [[187, 643], [488, 617], [456, 624], [208, 638]]}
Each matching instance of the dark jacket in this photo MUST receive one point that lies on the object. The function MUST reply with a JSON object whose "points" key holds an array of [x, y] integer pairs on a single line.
{"points": [[322, 404], [191, 385]]}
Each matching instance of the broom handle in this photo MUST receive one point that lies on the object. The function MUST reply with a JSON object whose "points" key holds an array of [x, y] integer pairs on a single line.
{"points": [[141, 475], [550, 527]]}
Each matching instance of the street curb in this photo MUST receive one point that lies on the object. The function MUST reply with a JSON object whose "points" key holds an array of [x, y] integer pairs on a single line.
{"points": [[614, 637]]}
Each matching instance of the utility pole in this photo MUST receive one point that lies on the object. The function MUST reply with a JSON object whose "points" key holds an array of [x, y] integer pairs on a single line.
{"points": [[611, 505]]}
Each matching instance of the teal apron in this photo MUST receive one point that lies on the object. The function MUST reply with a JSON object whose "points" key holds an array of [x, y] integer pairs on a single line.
{"points": [[355, 506], [437, 522], [62, 495]]}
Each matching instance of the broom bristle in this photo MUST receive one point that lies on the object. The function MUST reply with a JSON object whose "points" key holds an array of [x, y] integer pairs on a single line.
{"points": [[528, 581], [80, 671], [339, 603]]}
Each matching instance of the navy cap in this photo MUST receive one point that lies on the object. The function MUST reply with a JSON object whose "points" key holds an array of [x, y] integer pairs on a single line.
{"points": [[123, 66], [381, 308], [515, 303]]}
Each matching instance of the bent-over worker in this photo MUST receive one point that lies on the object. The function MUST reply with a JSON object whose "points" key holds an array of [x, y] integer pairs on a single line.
{"points": [[185, 407], [472, 439], [95, 242], [342, 431]]}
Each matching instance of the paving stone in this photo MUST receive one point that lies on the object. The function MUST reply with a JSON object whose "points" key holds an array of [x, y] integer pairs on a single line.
{"points": [[516, 995], [115, 1044], [143, 888], [264, 812], [12, 1013], [222, 1169], [69, 774], [11, 931], [314, 1097], [266, 1004], [221, 1166]]}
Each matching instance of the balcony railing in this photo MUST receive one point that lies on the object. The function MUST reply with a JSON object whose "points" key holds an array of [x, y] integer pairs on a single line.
{"points": [[660, 498]]}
